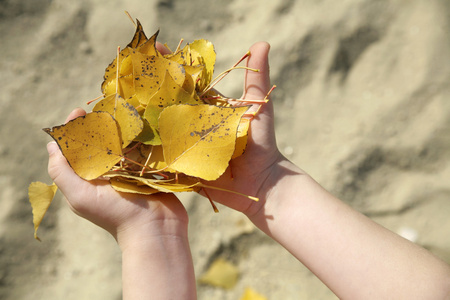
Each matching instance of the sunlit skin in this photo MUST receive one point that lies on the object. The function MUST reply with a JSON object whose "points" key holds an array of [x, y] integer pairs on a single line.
{"points": [[355, 257]]}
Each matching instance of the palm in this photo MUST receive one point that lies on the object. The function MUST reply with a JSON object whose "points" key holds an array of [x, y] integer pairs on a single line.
{"points": [[98, 202], [248, 172]]}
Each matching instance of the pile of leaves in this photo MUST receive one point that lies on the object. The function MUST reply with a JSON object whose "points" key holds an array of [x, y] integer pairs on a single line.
{"points": [[159, 127]]}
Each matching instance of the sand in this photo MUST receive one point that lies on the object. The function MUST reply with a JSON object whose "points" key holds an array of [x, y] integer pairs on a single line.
{"points": [[362, 104]]}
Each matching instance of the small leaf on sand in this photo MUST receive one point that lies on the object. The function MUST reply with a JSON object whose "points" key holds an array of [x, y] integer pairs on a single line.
{"points": [[199, 140], [91, 144], [251, 294], [221, 273], [40, 195]]}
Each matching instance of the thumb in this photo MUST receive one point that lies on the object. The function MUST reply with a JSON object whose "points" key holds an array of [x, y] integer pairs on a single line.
{"points": [[58, 167], [257, 84], [61, 173]]}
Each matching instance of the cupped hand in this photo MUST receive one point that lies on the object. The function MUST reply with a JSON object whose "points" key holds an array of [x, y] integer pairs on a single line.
{"points": [[128, 217], [252, 172]]}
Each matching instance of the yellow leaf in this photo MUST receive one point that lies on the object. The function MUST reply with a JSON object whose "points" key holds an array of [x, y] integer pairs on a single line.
{"points": [[149, 73], [110, 71], [182, 184], [139, 43], [221, 273], [126, 67], [182, 56], [137, 105], [127, 117], [139, 37], [241, 140], [123, 186], [40, 195], [149, 47], [169, 93], [199, 140], [148, 135], [192, 74], [91, 144], [203, 51], [157, 159], [251, 294]]}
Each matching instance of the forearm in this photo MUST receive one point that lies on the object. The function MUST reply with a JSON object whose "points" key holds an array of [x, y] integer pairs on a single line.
{"points": [[350, 253], [158, 267]]}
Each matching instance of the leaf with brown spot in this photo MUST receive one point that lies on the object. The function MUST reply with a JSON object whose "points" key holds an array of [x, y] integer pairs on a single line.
{"points": [[199, 140], [91, 143], [139, 36], [149, 73], [127, 117], [111, 70], [169, 93], [149, 47]]}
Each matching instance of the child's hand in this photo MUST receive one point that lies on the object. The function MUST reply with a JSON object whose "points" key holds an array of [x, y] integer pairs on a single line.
{"points": [[127, 217], [252, 173]]}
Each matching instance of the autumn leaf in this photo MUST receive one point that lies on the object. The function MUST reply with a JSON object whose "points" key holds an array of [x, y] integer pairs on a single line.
{"points": [[41, 196], [125, 89], [127, 117], [193, 74], [203, 51], [199, 140], [148, 135], [139, 43], [130, 186], [221, 273], [242, 136], [251, 294], [182, 184], [139, 36], [91, 143], [169, 93], [149, 47]]}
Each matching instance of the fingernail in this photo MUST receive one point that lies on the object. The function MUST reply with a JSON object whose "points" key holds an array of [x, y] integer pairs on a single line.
{"points": [[52, 147]]}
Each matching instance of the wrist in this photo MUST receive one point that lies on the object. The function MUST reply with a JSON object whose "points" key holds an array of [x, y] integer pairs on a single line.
{"points": [[284, 178], [144, 235], [157, 264]]}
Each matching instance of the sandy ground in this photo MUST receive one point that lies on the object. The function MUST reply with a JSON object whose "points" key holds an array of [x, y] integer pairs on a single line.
{"points": [[362, 104]]}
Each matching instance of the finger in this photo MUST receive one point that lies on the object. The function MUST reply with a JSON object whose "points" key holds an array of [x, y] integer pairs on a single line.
{"points": [[257, 84], [162, 49], [77, 112], [61, 173]]}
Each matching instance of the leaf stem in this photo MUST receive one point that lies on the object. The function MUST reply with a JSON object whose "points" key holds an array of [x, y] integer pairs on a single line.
{"points": [[95, 99], [129, 16], [216, 210], [179, 45], [229, 191], [223, 74]]}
